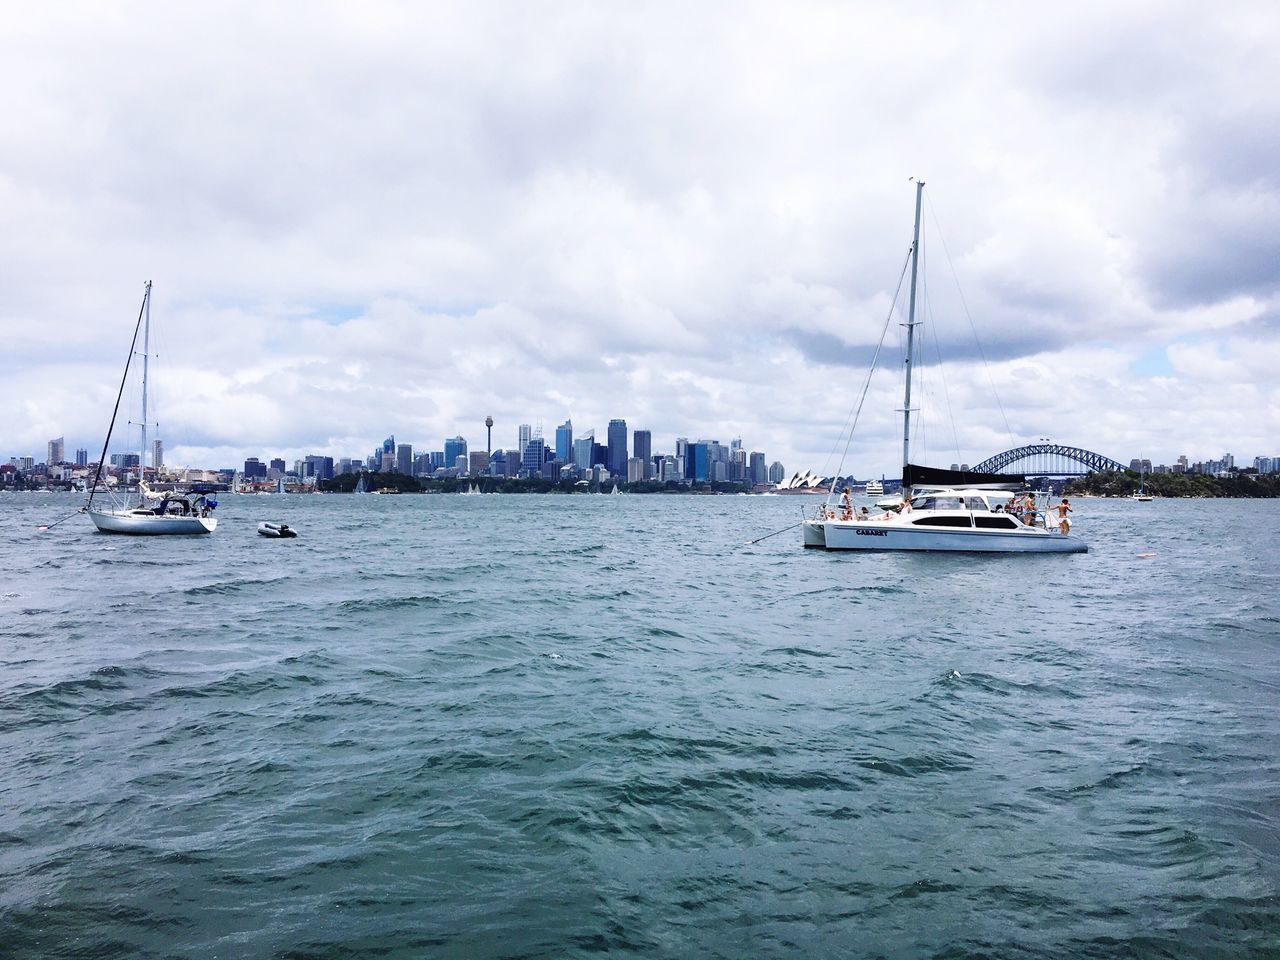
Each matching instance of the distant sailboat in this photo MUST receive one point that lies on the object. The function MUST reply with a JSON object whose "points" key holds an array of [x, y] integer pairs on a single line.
{"points": [[360, 485]]}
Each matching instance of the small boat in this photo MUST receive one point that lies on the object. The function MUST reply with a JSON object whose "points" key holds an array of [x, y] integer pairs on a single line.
{"points": [[875, 488], [277, 530], [152, 514]]}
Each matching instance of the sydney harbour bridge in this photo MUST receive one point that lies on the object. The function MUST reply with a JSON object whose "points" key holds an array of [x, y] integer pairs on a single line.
{"points": [[1047, 459]]}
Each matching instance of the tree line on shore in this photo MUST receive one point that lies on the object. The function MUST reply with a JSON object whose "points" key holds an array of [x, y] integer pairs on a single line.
{"points": [[1124, 483]]}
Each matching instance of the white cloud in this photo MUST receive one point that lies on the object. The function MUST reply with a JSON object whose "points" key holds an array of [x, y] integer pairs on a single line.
{"points": [[400, 219]]}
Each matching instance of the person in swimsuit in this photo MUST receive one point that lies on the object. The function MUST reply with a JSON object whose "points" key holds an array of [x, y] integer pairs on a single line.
{"points": [[1064, 523]]}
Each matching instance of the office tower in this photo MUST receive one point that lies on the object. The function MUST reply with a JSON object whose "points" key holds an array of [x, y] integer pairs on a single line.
{"points": [[756, 469], [255, 469], [697, 460], [582, 451], [564, 442], [157, 454], [453, 449], [526, 434], [635, 470], [617, 462], [478, 463], [57, 452], [404, 458], [642, 444], [277, 463], [777, 473], [599, 455], [389, 445], [82, 457], [532, 457]]}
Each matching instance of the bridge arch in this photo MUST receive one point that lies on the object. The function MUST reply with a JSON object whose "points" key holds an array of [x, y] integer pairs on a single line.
{"points": [[1048, 459]]}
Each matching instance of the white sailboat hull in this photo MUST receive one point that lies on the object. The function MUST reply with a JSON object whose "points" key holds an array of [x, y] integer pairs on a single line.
{"points": [[893, 535], [143, 523], [815, 533]]}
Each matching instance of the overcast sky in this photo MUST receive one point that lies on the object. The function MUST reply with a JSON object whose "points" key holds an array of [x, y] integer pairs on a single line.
{"points": [[373, 219]]}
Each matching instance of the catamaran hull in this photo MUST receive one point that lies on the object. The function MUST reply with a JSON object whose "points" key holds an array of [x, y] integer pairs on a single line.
{"points": [[142, 524], [814, 534], [873, 535]]}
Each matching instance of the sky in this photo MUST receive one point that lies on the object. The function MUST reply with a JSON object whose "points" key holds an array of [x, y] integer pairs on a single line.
{"points": [[375, 219]]}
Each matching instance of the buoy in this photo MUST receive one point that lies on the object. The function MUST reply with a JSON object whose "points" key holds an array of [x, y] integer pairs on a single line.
{"points": [[278, 530]]}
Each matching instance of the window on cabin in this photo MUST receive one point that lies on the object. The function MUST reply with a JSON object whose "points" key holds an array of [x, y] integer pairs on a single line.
{"points": [[942, 522], [996, 523]]}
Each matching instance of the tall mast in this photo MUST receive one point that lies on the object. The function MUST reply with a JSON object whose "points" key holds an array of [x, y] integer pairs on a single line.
{"points": [[911, 333], [146, 349]]}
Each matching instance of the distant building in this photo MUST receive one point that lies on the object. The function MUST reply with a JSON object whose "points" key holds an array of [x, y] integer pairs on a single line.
{"points": [[532, 458], [82, 457], [564, 442], [453, 449], [617, 461], [404, 458], [479, 463], [57, 452], [636, 469], [756, 469], [157, 454], [277, 464], [697, 461], [777, 472], [582, 450], [526, 434], [642, 449], [255, 469]]}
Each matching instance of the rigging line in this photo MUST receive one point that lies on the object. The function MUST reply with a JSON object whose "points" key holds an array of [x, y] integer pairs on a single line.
{"points": [[866, 385], [969, 316], [847, 430], [107, 442]]}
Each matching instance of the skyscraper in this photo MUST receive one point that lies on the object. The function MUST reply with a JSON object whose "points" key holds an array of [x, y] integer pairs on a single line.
{"points": [[617, 463], [454, 448], [404, 458], [526, 434], [157, 454], [564, 442], [642, 445], [82, 457], [57, 452], [758, 472], [531, 459]]}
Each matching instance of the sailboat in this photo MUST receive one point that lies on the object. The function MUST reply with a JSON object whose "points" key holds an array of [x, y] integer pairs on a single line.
{"points": [[1141, 494], [942, 510], [152, 513]]}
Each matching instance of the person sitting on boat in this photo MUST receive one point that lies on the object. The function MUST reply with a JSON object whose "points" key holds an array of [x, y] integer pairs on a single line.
{"points": [[865, 514], [1029, 510]]}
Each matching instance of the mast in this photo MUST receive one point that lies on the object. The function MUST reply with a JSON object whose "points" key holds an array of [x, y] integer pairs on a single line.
{"points": [[146, 349], [97, 476], [911, 332]]}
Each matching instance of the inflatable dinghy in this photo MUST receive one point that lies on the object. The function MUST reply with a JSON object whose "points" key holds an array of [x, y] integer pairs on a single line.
{"points": [[268, 529]]}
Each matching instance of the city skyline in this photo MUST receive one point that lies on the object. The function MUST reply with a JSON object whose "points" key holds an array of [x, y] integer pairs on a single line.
{"points": [[545, 231]]}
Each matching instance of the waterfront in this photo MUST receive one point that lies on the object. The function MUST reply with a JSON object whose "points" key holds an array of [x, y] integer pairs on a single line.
{"points": [[556, 726]]}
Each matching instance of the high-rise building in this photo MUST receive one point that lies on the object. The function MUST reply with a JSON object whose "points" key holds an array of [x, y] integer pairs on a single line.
{"points": [[404, 458], [697, 461], [599, 455], [82, 457], [277, 463], [635, 470], [526, 434], [777, 472], [642, 446], [564, 442], [478, 463], [533, 456], [617, 461], [157, 454], [57, 452], [254, 469], [582, 451], [453, 449], [756, 469]]}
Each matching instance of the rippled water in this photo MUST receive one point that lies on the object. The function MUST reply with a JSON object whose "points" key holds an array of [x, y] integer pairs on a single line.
{"points": [[441, 726]]}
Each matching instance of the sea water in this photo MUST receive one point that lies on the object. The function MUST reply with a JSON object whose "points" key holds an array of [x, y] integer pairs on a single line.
{"points": [[561, 726]]}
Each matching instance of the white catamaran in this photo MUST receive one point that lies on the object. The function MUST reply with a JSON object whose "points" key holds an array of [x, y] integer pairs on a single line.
{"points": [[942, 510], [152, 513]]}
